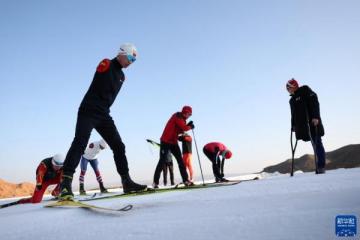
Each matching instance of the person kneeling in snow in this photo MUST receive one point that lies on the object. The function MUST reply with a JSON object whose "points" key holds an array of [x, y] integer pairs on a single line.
{"points": [[49, 172], [217, 153], [90, 156]]}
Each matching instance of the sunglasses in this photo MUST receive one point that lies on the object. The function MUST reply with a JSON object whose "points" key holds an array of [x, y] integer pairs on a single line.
{"points": [[57, 165], [131, 58]]}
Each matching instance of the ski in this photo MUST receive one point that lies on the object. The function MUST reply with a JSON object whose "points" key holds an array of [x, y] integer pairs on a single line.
{"points": [[178, 187], [9, 204], [69, 204], [116, 195], [207, 185]]}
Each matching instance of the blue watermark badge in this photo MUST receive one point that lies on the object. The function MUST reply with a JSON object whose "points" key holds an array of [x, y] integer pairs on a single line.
{"points": [[345, 226]]}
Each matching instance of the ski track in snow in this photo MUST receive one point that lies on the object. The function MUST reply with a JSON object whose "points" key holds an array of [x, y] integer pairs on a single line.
{"points": [[278, 207]]}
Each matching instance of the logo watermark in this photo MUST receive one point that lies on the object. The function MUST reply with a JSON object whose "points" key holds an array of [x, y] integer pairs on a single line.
{"points": [[345, 226]]}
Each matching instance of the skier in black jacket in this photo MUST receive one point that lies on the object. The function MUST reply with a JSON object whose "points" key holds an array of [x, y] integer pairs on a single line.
{"points": [[305, 114], [94, 113]]}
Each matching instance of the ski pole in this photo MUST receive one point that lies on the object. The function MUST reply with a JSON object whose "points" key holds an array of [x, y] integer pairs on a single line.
{"points": [[292, 153], [197, 151], [9, 204]]}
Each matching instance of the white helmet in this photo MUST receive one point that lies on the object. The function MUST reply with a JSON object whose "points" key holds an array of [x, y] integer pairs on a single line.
{"points": [[102, 143], [58, 160], [128, 49]]}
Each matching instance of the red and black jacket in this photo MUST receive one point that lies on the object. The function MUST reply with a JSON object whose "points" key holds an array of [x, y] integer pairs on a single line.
{"points": [[46, 172], [174, 127], [215, 147], [104, 88]]}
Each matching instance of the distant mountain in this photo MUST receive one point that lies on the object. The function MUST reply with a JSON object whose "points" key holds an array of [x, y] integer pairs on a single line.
{"points": [[8, 190], [345, 157]]}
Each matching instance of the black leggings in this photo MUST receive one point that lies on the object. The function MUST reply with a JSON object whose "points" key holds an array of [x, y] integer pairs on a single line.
{"points": [[168, 167]]}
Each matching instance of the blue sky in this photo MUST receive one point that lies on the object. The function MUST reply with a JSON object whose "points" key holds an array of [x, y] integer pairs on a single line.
{"points": [[229, 60]]}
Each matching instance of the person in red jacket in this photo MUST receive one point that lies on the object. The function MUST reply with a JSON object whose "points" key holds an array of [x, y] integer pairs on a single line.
{"points": [[217, 153], [186, 141], [49, 172], [169, 142]]}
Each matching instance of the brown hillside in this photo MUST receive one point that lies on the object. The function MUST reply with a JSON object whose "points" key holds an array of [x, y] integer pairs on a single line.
{"points": [[8, 190], [345, 157]]}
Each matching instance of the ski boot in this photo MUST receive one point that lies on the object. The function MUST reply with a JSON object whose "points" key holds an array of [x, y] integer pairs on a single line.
{"points": [[320, 171], [224, 180], [130, 186], [56, 192], [102, 188], [188, 183], [82, 189], [66, 193]]}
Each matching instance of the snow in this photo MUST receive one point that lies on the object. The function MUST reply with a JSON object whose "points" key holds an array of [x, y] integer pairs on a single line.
{"points": [[274, 207]]}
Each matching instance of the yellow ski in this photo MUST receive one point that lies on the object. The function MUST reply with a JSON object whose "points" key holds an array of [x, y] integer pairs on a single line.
{"points": [[74, 204]]}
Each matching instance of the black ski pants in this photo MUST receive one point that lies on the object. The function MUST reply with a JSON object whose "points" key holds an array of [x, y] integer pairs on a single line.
{"points": [[105, 126], [217, 164]]}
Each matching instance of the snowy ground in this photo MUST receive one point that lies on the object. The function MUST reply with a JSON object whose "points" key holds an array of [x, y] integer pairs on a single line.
{"points": [[275, 207]]}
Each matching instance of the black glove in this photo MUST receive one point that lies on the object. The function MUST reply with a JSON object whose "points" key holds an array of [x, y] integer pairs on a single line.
{"points": [[38, 187], [191, 124]]}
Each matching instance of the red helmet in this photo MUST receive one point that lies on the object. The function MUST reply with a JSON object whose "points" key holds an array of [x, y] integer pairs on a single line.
{"points": [[228, 154], [186, 109]]}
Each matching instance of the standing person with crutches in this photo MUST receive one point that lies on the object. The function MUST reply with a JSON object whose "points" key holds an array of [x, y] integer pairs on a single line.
{"points": [[306, 121]]}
